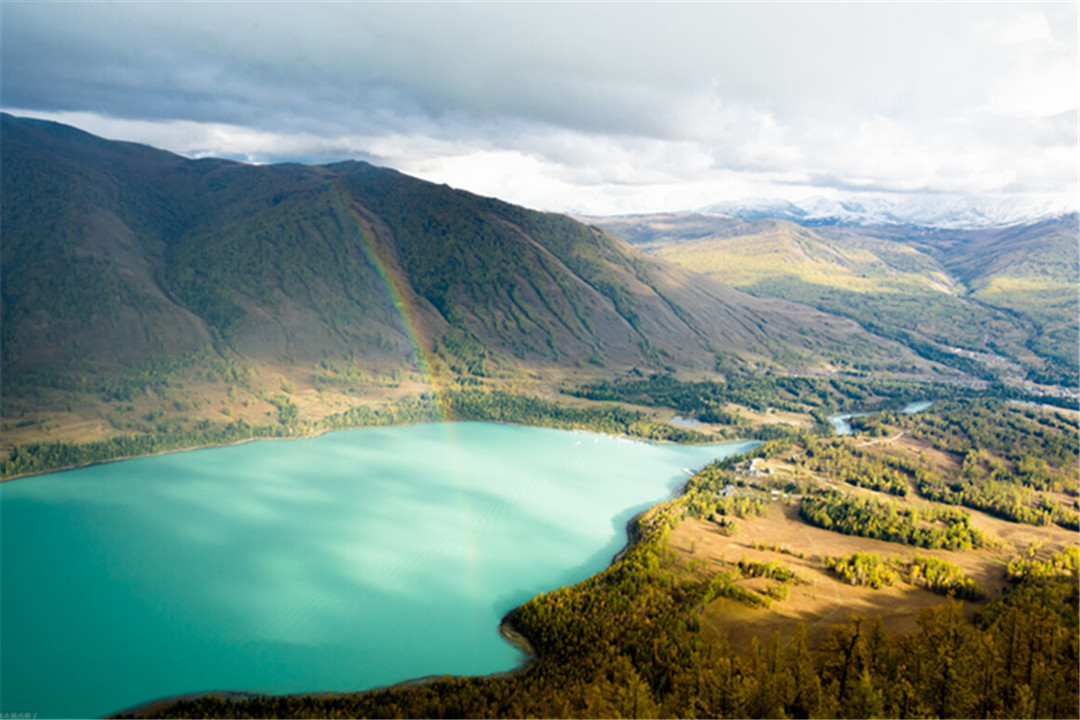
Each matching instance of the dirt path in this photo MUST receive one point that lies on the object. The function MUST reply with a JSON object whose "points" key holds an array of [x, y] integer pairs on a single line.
{"points": [[883, 441]]}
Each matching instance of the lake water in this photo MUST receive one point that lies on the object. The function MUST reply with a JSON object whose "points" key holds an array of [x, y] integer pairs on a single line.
{"points": [[348, 561]]}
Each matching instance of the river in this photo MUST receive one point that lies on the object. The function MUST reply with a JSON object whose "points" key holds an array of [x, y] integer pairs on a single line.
{"points": [[842, 423]]}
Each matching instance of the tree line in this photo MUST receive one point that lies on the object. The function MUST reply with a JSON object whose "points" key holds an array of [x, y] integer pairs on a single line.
{"points": [[476, 405], [934, 574]]}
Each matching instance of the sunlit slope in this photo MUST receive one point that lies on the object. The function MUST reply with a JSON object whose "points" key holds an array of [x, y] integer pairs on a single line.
{"points": [[1010, 292], [118, 257], [1031, 270], [780, 248]]}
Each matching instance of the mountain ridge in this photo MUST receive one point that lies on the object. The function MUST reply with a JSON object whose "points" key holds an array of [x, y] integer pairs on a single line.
{"points": [[918, 210], [121, 261]]}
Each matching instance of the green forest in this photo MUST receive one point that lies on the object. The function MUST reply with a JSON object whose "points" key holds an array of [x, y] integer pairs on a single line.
{"points": [[705, 399], [866, 517], [934, 574], [476, 405], [1011, 458]]}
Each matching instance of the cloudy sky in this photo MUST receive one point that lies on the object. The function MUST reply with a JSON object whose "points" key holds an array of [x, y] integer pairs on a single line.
{"points": [[589, 107]]}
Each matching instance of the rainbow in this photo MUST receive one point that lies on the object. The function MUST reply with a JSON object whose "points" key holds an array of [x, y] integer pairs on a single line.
{"points": [[403, 299], [404, 302]]}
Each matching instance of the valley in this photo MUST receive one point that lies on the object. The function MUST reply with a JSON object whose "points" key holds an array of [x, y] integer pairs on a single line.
{"points": [[154, 303], [162, 295], [945, 293], [539, 360], [193, 291]]}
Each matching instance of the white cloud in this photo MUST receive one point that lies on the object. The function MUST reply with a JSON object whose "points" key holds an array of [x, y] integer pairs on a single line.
{"points": [[1023, 27], [1036, 86], [595, 107]]}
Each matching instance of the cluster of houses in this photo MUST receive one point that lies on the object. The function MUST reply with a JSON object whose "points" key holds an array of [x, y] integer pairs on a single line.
{"points": [[753, 468]]}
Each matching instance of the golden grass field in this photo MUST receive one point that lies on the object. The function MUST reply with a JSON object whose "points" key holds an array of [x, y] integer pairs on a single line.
{"points": [[821, 600]]}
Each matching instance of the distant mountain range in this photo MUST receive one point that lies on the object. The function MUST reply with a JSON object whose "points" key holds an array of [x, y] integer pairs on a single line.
{"points": [[921, 210]]}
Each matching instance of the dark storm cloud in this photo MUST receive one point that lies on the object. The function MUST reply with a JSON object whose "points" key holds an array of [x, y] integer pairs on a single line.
{"points": [[313, 66]]}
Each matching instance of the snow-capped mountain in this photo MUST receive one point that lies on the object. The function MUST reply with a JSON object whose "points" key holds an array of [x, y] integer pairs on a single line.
{"points": [[942, 211]]}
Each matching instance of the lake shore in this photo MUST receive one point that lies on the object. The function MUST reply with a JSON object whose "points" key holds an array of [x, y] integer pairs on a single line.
{"points": [[506, 631], [315, 432], [266, 488], [323, 431]]}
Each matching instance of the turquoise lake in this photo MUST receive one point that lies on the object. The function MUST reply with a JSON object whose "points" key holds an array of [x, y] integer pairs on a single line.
{"points": [[352, 560]]}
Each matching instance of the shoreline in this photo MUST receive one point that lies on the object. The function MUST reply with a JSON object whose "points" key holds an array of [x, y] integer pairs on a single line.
{"points": [[505, 629], [204, 446], [324, 431]]}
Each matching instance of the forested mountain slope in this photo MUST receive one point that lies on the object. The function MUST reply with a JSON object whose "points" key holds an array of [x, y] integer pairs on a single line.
{"points": [[1032, 271], [118, 255]]}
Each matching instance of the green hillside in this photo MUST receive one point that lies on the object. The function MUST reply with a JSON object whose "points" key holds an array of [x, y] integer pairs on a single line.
{"points": [[1006, 298], [193, 291], [1030, 272]]}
